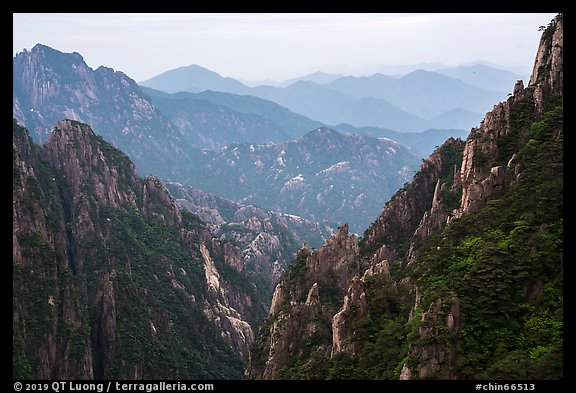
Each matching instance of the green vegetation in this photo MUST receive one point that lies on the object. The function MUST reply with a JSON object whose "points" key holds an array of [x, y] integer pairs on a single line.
{"points": [[500, 269], [296, 271], [155, 276], [418, 196], [116, 285], [379, 337], [42, 281], [504, 264]]}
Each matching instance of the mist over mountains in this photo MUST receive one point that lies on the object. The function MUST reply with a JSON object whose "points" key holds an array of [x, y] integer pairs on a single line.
{"points": [[164, 133], [449, 97], [239, 147], [398, 70], [212, 120], [328, 227]]}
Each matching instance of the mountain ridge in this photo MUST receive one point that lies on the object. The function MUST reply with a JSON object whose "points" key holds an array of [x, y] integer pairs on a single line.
{"points": [[423, 93], [128, 118], [210, 81], [461, 275], [212, 120], [49, 85], [407, 102], [127, 286], [483, 75], [323, 175]]}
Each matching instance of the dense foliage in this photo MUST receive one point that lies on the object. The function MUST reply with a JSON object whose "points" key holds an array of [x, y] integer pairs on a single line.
{"points": [[117, 291], [499, 268], [503, 264]]}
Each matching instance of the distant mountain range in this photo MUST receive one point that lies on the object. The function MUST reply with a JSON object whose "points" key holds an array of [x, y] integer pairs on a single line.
{"points": [[318, 77], [423, 93], [387, 69], [421, 144], [484, 76], [334, 107], [49, 85], [212, 120], [453, 97], [487, 75], [324, 175], [321, 175]]}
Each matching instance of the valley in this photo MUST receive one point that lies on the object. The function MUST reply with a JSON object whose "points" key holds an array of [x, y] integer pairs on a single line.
{"points": [[192, 226]]}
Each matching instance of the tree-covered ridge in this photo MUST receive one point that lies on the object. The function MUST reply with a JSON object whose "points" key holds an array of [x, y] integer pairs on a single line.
{"points": [[460, 277], [110, 279], [378, 327], [503, 264]]}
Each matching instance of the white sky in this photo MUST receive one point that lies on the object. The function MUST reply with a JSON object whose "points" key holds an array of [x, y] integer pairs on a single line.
{"points": [[278, 46]]}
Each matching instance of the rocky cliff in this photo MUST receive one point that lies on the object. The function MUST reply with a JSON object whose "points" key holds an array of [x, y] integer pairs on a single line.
{"points": [[302, 307], [326, 289], [124, 284], [487, 156], [264, 242], [460, 277], [49, 85]]}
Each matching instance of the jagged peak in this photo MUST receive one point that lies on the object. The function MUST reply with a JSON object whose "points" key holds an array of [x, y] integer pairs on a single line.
{"points": [[75, 131], [41, 48], [21, 141], [38, 48], [342, 236], [322, 132], [481, 170], [111, 71], [45, 50], [73, 128], [87, 162], [81, 134], [72, 58], [343, 230], [422, 208], [404, 211], [548, 63], [335, 256]]}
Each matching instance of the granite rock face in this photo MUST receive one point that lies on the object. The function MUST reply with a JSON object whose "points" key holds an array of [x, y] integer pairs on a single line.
{"points": [[258, 242], [49, 85], [378, 279], [123, 278]]}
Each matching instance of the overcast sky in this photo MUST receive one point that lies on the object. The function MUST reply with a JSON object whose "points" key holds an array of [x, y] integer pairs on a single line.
{"points": [[279, 46]]}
